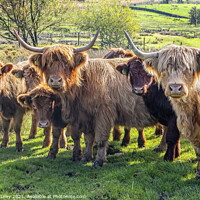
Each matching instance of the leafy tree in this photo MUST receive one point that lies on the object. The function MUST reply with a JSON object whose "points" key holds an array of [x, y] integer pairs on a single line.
{"points": [[111, 17], [194, 15], [30, 17]]}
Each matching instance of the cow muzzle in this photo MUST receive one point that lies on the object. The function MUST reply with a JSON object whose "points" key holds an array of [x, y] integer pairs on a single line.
{"points": [[138, 90], [55, 83], [176, 90], [43, 124]]}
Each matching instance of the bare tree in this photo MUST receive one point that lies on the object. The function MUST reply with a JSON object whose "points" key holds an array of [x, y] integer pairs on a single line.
{"points": [[30, 17]]}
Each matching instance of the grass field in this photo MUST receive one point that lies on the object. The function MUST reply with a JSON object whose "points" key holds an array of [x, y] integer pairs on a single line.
{"points": [[177, 9], [134, 174]]}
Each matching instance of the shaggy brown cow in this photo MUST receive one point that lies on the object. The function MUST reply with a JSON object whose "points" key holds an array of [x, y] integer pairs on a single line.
{"points": [[32, 79], [121, 53], [94, 95], [10, 88], [177, 69]]}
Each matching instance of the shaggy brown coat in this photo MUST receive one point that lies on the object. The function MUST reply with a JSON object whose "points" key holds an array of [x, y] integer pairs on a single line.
{"points": [[32, 79], [180, 65], [10, 88], [98, 96]]}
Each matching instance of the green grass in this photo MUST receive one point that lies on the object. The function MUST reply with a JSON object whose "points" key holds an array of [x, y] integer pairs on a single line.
{"points": [[177, 9], [134, 174], [159, 30]]}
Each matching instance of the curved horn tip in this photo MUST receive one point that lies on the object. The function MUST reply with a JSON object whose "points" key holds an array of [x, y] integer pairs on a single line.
{"points": [[27, 46], [89, 46], [137, 52]]}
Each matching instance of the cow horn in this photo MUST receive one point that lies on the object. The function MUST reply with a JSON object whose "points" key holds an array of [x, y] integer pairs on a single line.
{"points": [[27, 46], [139, 53], [89, 46]]}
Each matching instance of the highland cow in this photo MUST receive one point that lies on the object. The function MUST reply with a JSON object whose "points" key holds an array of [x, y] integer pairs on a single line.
{"points": [[94, 96], [157, 103], [32, 79], [10, 88], [121, 53], [177, 69]]}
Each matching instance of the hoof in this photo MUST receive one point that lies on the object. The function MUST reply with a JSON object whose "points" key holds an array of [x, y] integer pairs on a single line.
{"points": [[76, 159], [141, 146], [168, 158], [124, 144], [45, 145], [3, 146], [19, 149], [63, 146], [31, 137], [85, 159], [51, 156], [98, 163]]}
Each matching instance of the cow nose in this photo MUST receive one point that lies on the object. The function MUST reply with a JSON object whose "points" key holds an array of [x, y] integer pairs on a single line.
{"points": [[43, 124], [138, 90], [176, 88], [55, 81]]}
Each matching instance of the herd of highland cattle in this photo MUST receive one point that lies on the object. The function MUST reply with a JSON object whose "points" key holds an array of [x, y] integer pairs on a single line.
{"points": [[62, 88]]}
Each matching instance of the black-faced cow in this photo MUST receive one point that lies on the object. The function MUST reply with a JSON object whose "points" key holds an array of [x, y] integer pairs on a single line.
{"points": [[158, 104]]}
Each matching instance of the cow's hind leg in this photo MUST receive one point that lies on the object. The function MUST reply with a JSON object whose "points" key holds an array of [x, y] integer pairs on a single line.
{"points": [[17, 128], [172, 139], [159, 129], [5, 124], [116, 133], [141, 138], [126, 139], [63, 140], [163, 145]]}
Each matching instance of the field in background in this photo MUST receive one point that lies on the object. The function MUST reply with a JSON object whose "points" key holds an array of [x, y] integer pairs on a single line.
{"points": [[132, 174]]}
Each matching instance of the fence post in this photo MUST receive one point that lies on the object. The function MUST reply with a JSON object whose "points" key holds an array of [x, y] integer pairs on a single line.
{"points": [[144, 43], [51, 37], [78, 38]]}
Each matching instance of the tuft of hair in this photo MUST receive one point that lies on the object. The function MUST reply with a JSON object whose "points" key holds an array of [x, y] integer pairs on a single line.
{"points": [[41, 90], [174, 57]]}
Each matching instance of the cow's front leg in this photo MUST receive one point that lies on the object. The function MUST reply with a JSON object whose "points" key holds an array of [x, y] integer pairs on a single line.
{"points": [[76, 136], [55, 144], [89, 141], [6, 125], [101, 153]]}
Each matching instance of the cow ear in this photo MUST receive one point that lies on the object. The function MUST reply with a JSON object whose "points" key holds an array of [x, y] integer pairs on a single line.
{"points": [[6, 68], [80, 59], [123, 69], [24, 100], [18, 73], [36, 60]]}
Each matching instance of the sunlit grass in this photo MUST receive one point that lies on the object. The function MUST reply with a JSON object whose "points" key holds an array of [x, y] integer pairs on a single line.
{"points": [[133, 174]]}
